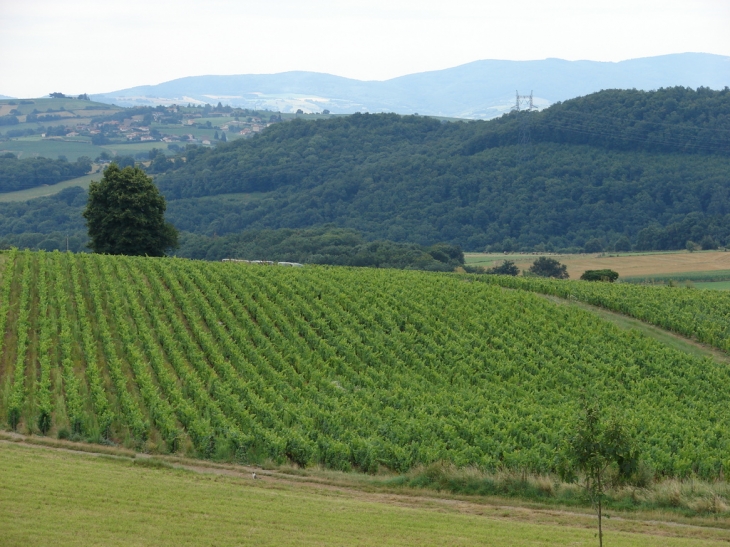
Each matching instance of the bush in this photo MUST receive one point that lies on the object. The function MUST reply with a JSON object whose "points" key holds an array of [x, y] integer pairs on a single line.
{"points": [[600, 275]]}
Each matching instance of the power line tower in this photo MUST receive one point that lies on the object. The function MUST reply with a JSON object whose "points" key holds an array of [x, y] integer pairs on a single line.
{"points": [[524, 103]]}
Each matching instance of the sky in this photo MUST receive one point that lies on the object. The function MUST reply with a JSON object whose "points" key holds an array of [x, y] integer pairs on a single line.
{"points": [[96, 46]]}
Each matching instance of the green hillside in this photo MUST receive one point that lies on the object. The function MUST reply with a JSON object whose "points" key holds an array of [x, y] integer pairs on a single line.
{"points": [[618, 169], [348, 368], [649, 166]]}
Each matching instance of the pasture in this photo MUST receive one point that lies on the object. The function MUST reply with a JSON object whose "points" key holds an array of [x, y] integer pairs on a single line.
{"points": [[26, 147]]}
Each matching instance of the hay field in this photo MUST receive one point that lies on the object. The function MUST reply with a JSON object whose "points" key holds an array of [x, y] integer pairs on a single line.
{"points": [[60, 498], [626, 264]]}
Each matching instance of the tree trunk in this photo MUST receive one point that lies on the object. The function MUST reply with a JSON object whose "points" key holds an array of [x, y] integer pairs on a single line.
{"points": [[600, 529]]}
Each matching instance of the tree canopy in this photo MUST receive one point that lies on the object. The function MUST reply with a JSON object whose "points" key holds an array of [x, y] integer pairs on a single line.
{"points": [[549, 267], [647, 166], [125, 215]]}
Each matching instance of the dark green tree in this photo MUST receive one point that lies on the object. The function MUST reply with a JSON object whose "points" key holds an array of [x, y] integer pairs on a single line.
{"points": [[593, 246], [549, 267], [600, 275], [708, 243], [596, 446], [125, 214], [622, 244], [507, 267]]}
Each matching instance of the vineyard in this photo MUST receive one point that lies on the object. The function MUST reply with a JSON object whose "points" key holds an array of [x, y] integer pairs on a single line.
{"points": [[699, 314], [348, 368]]}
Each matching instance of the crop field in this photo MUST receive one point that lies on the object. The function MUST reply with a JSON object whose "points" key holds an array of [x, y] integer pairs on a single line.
{"points": [[347, 368], [626, 264], [699, 314], [69, 499]]}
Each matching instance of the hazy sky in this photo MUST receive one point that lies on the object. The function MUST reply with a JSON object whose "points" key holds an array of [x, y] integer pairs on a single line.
{"points": [[94, 46]]}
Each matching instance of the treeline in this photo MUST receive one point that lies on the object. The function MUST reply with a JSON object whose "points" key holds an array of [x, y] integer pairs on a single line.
{"points": [[321, 245], [19, 174]]}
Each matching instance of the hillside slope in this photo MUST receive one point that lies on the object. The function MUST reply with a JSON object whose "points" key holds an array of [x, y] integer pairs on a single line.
{"points": [[605, 166], [642, 169], [347, 368]]}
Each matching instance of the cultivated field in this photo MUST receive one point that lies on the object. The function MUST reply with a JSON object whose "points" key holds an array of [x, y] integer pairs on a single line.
{"points": [[67, 499], [626, 264], [346, 368]]}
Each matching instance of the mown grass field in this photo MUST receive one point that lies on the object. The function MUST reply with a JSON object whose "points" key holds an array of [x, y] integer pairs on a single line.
{"points": [[626, 264], [67, 499], [41, 191]]}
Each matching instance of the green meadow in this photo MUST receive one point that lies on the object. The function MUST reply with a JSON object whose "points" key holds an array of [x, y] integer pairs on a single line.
{"points": [[60, 498]]}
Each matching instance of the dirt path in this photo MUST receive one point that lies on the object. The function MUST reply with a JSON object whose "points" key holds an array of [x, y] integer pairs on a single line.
{"points": [[364, 488]]}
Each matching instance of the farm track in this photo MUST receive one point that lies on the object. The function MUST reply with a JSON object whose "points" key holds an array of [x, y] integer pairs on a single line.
{"points": [[686, 344], [370, 490]]}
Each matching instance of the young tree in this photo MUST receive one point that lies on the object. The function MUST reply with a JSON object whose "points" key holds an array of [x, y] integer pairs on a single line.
{"points": [[125, 215], [549, 267], [594, 448]]}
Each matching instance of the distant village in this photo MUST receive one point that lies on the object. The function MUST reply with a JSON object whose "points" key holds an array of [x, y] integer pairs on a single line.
{"points": [[151, 126]]}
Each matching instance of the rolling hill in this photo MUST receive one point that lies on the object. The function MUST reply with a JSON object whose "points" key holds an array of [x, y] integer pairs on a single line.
{"points": [[480, 90], [618, 169]]}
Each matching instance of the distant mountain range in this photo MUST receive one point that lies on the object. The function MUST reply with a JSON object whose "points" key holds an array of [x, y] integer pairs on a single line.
{"points": [[481, 90]]}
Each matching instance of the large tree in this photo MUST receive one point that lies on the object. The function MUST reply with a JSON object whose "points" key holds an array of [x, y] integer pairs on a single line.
{"points": [[549, 267], [125, 215]]}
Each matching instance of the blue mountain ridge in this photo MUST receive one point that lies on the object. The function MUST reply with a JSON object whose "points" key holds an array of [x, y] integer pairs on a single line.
{"points": [[480, 89]]}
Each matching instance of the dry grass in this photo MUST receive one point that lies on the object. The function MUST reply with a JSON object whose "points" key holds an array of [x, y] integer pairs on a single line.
{"points": [[627, 265]]}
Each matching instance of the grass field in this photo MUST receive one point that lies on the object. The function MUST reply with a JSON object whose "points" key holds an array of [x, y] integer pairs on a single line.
{"points": [[716, 285], [42, 191], [626, 264], [49, 148], [68, 104], [51, 497]]}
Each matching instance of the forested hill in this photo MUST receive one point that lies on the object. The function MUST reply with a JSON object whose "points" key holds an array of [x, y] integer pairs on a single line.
{"points": [[653, 167], [670, 120]]}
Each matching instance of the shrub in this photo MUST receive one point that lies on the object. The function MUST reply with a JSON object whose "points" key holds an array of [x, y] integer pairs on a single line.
{"points": [[600, 275]]}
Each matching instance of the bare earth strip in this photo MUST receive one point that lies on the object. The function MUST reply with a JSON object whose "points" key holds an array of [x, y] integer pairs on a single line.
{"points": [[62, 497], [628, 265]]}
